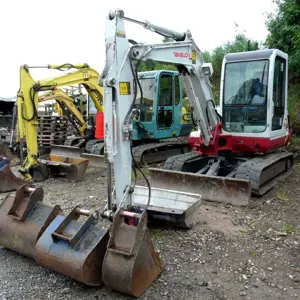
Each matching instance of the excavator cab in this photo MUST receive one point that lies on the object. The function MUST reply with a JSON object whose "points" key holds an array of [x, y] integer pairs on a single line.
{"points": [[254, 96], [159, 107]]}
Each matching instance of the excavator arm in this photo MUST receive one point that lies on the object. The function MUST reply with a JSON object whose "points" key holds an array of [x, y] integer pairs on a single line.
{"points": [[63, 99], [120, 81], [28, 98]]}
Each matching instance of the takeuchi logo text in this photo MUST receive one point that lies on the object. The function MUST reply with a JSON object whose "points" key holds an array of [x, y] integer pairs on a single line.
{"points": [[182, 54]]}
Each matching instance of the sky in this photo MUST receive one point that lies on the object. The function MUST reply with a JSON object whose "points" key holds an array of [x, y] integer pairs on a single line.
{"points": [[41, 32]]}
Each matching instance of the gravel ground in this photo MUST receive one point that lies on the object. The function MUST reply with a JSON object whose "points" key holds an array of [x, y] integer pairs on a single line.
{"points": [[232, 253]]}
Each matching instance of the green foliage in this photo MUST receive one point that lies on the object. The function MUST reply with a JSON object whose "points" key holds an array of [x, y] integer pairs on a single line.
{"points": [[289, 228], [284, 33], [281, 195], [240, 44], [253, 253], [150, 65]]}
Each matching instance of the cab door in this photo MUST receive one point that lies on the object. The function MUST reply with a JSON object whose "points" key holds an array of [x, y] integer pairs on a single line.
{"points": [[165, 106], [279, 99]]}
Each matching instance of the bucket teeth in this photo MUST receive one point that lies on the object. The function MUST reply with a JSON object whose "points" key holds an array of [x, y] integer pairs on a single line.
{"points": [[131, 263]]}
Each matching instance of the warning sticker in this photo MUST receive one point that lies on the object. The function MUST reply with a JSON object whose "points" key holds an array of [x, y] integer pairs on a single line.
{"points": [[125, 88], [194, 56]]}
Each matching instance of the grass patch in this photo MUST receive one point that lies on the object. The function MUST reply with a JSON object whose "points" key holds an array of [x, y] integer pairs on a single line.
{"points": [[289, 229], [281, 195], [253, 253], [156, 233]]}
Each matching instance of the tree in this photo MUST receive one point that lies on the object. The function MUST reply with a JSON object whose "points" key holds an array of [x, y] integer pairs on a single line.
{"points": [[150, 65], [240, 44], [284, 33]]}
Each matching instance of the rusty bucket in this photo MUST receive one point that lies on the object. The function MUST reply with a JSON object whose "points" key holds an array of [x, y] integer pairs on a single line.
{"points": [[72, 168], [73, 248], [23, 219], [8, 181], [131, 263]]}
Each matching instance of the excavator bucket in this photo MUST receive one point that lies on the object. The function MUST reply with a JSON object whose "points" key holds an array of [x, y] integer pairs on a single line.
{"points": [[180, 209], [23, 219], [212, 188], [131, 263], [72, 168], [73, 248], [8, 181]]}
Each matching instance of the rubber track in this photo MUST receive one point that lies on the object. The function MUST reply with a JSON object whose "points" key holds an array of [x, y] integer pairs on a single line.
{"points": [[139, 151], [177, 162], [69, 141], [253, 170]]}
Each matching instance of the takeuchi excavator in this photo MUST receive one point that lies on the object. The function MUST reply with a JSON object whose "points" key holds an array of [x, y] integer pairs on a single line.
{"points": [[249, 142], [27, 103]]}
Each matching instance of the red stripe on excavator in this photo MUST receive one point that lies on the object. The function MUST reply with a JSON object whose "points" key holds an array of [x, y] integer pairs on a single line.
{"points": [[238, 144]]}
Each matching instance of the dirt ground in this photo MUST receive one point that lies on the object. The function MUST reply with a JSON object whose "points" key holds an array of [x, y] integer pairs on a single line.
{"points": [[232, 253]]}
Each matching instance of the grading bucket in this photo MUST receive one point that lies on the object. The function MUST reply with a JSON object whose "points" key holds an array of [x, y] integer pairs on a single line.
{"points": [[73, 248], [131, 263], [23, 219], [179, 209], [72, 168]]}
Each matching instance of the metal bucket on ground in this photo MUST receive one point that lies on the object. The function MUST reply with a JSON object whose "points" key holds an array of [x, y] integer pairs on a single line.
{"points": [[180, 209], [8, 181], [23, 219], [72, 168], [73, 248], [131, 263], [212, 188]]}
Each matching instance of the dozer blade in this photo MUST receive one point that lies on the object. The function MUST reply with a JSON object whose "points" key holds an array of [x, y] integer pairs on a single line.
{"points": [[212, 188], [72, 168], [23, 218], [76, 152], [73, 248], [95, 160], [8, 181], [62, 150], [180, 209], [131, 263]]}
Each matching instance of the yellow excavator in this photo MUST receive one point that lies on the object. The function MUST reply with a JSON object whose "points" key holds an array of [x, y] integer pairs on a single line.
{"points": [[65, 106], [27, 102]]}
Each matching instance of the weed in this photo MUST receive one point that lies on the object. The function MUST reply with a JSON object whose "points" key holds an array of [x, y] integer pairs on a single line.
{"points": [[281, 195], [289, 228], [253, 253]]}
